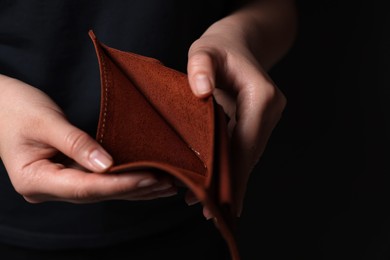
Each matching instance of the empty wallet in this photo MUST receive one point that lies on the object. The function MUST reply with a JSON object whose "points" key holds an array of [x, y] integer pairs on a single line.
{"points": [[151, 121]]}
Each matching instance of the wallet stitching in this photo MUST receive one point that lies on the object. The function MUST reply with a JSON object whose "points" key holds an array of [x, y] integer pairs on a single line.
{"points": [[105, 94]]}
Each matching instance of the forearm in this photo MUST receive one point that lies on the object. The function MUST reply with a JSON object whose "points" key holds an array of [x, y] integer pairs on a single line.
{"points": [[266, 27]]}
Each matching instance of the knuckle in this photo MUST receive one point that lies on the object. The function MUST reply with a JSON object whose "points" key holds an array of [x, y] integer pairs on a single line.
{"points": [[198, 56], [27, 193], [25, 187], [90, 189], [21, 185], [76, 141], [32, 199], [22, 190], [82, 195], [273, 98], [198, 60]]}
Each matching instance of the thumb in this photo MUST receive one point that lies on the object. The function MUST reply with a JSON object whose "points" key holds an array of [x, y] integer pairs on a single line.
{"points": [[78, 145], [201, 72]]}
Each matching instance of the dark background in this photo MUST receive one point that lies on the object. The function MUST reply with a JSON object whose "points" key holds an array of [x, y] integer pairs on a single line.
{"points": [[321, 189]]}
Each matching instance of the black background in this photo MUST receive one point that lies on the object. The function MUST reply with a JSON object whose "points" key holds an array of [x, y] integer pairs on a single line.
{"points": [[320, 190]]}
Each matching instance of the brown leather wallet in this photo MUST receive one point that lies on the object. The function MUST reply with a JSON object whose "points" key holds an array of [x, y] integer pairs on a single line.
{"points": [[150, 121]]}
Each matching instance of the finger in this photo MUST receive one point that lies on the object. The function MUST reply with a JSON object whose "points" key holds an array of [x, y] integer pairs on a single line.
{"points": [[149, 189], [228, 104], [77, 145], [172, 191], [43, 181], [259, 108], [201, 72]]}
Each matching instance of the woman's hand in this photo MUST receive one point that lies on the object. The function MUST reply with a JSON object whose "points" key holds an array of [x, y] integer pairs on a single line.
{"points": [[35, 135], [230, 61]]}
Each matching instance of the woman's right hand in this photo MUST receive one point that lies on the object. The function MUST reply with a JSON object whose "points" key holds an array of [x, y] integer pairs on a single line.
{"points": [[34, 133]]}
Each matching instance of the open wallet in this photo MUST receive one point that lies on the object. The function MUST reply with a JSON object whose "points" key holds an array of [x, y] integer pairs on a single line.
{"points": [[150, 121]]}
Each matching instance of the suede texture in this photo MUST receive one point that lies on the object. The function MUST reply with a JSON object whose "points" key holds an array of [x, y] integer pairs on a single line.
{"points": [[150, 121]]}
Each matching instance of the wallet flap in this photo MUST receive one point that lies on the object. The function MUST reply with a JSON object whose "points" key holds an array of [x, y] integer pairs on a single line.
{"points": [[131, 129], [169, 93]]}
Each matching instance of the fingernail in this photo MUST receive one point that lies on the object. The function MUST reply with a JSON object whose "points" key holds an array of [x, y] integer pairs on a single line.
{"points": [[100, 159], [202, 84], [146, 182]]}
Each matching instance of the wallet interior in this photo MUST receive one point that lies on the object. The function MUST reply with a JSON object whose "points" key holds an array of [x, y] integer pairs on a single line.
{"points": [[150, 121]]}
